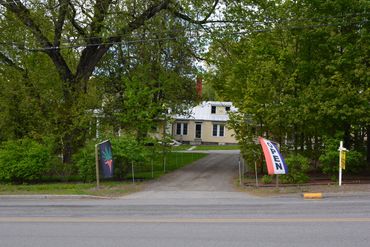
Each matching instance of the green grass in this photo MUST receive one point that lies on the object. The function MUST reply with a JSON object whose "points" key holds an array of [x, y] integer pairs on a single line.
{"points": [[217, 147], [174, 161], [181, 147], [106, 189]]}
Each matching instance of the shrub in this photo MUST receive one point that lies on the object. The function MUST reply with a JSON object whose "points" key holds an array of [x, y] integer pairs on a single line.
{"points": [[330, 159], [24, 160], [85, 162], [298, 166], [127, 149], [266, 179]]}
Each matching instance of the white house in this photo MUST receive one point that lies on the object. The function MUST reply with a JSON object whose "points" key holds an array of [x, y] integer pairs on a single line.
{"points": [[205, 124]]}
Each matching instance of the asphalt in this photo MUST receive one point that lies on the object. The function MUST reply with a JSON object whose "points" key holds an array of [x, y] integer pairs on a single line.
{"points": [[195, 206]]}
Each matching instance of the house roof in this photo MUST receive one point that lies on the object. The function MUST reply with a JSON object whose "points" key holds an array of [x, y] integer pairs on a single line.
{"points": [[202, 112]]}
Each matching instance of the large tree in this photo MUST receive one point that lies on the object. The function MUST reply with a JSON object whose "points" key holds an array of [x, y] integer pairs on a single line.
{"points": [[298, 69], [74, 36]]}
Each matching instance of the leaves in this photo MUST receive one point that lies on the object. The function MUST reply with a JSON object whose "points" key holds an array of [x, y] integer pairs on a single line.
{"points": [[301, 76]]}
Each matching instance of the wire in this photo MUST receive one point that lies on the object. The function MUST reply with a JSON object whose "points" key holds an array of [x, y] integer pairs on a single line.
{"points": [[210, 28], [199, 35]]}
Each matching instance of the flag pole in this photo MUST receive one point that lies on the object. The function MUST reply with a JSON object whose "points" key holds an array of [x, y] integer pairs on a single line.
{"points": [[255, 170], [97, 165]]}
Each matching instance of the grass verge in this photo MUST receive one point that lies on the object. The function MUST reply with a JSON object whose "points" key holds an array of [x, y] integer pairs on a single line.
{"points": [[108, 189], [218, 147]]}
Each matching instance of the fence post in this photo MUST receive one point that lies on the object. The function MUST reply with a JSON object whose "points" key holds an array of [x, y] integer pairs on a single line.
{"points": [[152, 168], [132, 172]]}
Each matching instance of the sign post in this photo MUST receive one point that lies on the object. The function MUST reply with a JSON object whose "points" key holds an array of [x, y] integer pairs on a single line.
{"points": [[255, 170], [97, 165], [342, 160], [240, 171]]}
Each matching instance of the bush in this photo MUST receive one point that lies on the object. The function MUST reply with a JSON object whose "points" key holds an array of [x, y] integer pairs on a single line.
{"points": [[127, 149], [85, 162], [298, 166], [266, 179], [24, 160], [330, 159]]}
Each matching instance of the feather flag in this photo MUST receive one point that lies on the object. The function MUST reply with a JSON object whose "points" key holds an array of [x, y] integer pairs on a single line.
{"points": [[274, 161], [106, 159]]}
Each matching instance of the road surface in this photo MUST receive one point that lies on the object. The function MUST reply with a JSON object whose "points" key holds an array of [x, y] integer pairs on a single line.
{"points": [[193, 207]]}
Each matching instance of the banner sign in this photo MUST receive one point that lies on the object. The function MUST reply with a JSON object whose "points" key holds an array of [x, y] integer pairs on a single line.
{"points": [[106, 159], [342, 159], [274, 161]]}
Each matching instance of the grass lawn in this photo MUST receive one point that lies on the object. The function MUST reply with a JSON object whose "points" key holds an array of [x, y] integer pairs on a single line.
{"points": [[218, 147], [108, 189], [174, 161], [181, 147]]}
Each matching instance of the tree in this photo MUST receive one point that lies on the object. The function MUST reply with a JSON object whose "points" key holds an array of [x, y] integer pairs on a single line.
{"points": [[75, 36], [298, 71]]}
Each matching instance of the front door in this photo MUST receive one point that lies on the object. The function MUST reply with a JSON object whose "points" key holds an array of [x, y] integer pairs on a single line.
{"points": [[198, 130]]}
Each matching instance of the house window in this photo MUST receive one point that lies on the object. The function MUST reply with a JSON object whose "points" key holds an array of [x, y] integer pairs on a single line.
{"points": [[227, 108], [181, 129], [221, 130], [213, 109], [184, 129], [214, 131], [178, 129], [218, 130]]}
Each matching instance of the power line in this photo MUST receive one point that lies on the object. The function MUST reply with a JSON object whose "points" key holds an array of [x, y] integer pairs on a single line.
{"points": [[135, 41]]}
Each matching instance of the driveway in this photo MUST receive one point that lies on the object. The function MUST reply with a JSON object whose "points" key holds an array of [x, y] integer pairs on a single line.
{"points": [[211, 177], [214, 172]]}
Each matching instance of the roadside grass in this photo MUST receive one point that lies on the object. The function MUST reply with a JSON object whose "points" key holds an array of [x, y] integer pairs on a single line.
{"points": [[142, 172], [218, 147], [107, 188]]}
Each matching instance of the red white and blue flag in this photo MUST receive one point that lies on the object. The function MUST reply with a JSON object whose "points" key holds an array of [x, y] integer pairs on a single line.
{"points": [[274, 161]]}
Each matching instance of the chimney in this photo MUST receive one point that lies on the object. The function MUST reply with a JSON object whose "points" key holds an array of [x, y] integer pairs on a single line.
{"points": [[199, 86]]}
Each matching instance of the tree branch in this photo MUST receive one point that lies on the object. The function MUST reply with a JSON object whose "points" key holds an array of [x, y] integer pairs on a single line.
{"points": [[24, 15], [63, 7], [72, 19], [91, 55], [10, 62], [189, 19]]}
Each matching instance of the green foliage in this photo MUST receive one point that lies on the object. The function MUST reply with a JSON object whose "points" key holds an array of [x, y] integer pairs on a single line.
{"points": [[298, 167], [310, 80], [330, 158], [355, 161], [84, 160], [267, 179], [24, 160], [148, 68], [127, 149]]}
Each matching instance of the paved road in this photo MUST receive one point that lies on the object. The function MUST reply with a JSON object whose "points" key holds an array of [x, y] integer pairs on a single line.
{"points": [[204, 212]]}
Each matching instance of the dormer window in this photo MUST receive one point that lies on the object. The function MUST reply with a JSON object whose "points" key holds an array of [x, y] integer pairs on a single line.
{"points": [[213, 109]]}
